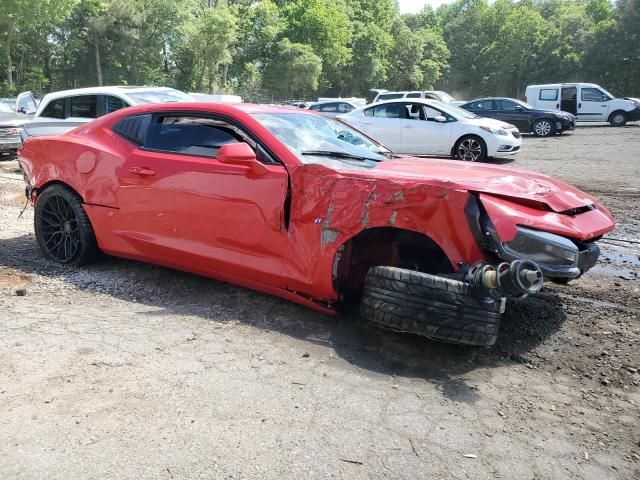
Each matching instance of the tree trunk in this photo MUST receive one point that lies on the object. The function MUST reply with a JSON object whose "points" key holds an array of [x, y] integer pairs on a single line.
{"points": [[8, 57], [98, 66], [225, 73], [201, 79], [166, 59], [134, 68]]}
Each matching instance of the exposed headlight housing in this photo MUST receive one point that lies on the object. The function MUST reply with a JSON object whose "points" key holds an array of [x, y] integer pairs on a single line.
{"points": [[542, 248]]}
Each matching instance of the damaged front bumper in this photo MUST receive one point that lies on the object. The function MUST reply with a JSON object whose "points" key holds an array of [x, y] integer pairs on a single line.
{"points": [[557, 256]]}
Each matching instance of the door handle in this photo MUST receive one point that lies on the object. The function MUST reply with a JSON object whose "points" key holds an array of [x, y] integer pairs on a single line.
{"points": [[147, 172], [579, 105], [557, 105], [408, 126]]}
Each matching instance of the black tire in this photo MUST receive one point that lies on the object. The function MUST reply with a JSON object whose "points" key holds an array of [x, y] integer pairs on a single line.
{"points": [[63, 230], [618, 119], [471, 149], [543, 128], [436, 307], [561, 280]]}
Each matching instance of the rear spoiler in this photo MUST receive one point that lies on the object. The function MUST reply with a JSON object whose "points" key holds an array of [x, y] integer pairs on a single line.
{"points": [[40, 129]]}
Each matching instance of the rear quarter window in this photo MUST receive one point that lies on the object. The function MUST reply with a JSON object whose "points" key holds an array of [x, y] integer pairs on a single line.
{"points": [[133, 128], [84, 106], [548, 94]]}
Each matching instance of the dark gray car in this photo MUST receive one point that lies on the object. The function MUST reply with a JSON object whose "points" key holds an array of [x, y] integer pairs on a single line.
{"points": [[528, 119]]}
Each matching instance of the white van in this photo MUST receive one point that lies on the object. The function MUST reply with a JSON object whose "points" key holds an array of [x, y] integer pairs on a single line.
{"points": [[587, 101]]}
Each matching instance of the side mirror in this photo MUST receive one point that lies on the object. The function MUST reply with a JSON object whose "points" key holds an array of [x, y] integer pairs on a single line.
{"points": [[241, 154], [440, 119], [519, 108]]}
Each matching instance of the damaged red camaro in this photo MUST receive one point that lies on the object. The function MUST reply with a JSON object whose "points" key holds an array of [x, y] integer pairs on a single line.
{"points": [[305, 207]]}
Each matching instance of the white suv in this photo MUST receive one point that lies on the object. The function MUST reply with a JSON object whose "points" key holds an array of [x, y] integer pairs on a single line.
{"points": [[587, 101], [62, 111], [385, 95]]}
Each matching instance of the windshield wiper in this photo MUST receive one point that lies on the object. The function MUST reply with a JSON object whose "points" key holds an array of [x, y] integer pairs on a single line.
{"points": [[331, 153]]}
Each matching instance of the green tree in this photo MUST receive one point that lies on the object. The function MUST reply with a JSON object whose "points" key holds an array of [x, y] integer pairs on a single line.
{"points": [[294, 70]]}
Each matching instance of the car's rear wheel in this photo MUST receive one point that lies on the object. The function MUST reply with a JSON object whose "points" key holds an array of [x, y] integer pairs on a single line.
{"points": [[471, 149], [432, 306], [543, 128], [63, 230], [618, 119]]}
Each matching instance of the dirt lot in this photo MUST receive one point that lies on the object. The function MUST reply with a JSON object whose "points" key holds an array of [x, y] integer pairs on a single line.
{"points": [[126, 370]]}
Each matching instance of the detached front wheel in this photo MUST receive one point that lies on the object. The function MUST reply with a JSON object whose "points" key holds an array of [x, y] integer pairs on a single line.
{"points": [[432, 306], [62, 227]]}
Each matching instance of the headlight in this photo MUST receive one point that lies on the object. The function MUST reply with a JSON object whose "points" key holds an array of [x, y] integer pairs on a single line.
{"points": [[543, 248], [496, 131]]}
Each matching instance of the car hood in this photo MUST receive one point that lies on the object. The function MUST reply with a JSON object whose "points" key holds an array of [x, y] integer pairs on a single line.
{"points": [[516, 184], [12, 120]]}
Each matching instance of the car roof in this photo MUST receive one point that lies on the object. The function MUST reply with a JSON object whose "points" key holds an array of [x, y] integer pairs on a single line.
{"points": [[557, 85], [106, 90]]}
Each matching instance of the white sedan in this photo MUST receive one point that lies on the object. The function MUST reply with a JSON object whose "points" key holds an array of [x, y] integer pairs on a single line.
{"points": [[430, 127]]}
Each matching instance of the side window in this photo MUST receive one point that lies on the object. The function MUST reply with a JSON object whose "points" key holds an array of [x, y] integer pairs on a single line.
{"points": [[593, 95], [391, 110], [390, 96], [55, 109], [481, 105], [84, 106], [189, 135], [431, 96], [329, 107], [505, 105], [414, 95], [548, 94], [432, 113], [345, 107], [415, 112], [315, 108], [369, 112], [133, 128], [113, 104]]}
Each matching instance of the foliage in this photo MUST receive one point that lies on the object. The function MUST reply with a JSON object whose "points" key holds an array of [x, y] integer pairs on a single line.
{"points": [[264, 49]]}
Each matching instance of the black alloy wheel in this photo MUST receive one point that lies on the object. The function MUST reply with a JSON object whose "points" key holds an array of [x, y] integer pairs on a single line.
{"points": [[471, 149], [62, 228]]}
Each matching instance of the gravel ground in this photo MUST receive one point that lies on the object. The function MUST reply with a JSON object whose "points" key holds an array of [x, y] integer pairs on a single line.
{"points": [[127, 370]]}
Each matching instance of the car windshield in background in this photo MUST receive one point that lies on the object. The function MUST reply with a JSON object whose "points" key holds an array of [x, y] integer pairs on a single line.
{"points": [[321, 137], [159, 96], [454, 111], [445, 96]]}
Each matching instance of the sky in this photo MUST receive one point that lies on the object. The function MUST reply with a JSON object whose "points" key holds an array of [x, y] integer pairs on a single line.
{"points": [[414, 6]]}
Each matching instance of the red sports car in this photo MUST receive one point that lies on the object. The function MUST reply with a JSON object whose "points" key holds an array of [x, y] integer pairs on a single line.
{"points": [[302, 206]]}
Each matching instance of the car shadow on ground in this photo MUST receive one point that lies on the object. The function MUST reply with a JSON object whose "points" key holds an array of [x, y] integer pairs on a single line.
{"points": [[527, 323]]}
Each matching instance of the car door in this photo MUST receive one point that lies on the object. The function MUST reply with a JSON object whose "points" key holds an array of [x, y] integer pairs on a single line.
{"points": [[180, 205], [422, 134], [384, 124], [593, 105], [512, 113]]}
